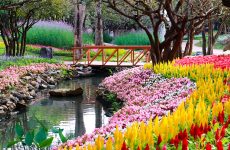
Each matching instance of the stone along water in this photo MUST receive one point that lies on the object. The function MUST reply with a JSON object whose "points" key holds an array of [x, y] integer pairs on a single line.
{"points": [[76, 115]]}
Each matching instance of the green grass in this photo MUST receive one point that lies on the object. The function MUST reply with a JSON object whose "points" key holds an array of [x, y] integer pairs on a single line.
{"points": [[137, 38], [54, 36], [216, 46], [62, 55]]}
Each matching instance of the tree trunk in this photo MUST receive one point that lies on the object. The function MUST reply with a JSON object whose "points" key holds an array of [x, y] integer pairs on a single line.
{"points": [[225, 29], [98, 25], [176, 46], [210, 37], [79, 19], [23, 43], [191, 38], [204, 42], [5, 40], [186, 50]]}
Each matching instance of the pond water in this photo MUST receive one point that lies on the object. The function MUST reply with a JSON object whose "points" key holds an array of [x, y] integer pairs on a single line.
{"points": [[76, 115]]}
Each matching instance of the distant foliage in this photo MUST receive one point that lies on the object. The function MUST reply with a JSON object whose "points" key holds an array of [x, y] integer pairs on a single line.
{"points": [[56, 34], [107, 38], [136, 38], [224, 39]]}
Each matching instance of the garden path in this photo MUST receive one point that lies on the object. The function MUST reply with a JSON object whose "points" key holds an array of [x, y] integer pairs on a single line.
{"points": [[199, 49]]}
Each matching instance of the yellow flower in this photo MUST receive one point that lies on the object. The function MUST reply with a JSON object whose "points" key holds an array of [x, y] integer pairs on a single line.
{"points": [[109, 144]]}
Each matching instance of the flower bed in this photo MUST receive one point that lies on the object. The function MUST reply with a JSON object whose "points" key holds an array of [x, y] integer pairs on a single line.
{"points": [[219, 61], [10, 76], [201, 122]]}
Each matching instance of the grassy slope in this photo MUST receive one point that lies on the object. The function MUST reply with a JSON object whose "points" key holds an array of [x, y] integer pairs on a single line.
{"points": [[216, 46]]}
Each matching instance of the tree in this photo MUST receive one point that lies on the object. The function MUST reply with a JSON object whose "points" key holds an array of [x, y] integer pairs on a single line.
{"points": [[17, 17], [6, 5], [14, 23], [98, 25], [78, 25], [171, 12], [221, 16]]}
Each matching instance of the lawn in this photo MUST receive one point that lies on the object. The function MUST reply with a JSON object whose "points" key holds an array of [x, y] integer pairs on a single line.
{"points": [[218, 45]]}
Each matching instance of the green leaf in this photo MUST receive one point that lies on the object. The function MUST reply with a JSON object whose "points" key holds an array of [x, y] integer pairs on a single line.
{"points": [[55, 130], [10, 144], [41, 123], [41, 135], [46, 143], [225, 141], [19, 130], [62, 137], [29, 138]]}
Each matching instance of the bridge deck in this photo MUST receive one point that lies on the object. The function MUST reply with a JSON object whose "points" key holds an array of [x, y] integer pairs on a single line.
{"points": [[108, 64]]}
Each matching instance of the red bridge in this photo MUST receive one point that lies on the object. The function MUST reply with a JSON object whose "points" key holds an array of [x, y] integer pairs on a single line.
{"points": [[111, 55]]}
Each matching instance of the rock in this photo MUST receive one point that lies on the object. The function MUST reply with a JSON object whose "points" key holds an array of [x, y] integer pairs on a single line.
{"points": [[51, 81], [39, 79], [3, 101], [14, 99], [21, 105], [46, 52], [54, 72], [66, 92], [30, 87], [22, 82], [27, 77], [51, 86], [32, 93], [5, 107], [18, 95], [29, 97], [35, 84], [2, 112], [43, 86]]}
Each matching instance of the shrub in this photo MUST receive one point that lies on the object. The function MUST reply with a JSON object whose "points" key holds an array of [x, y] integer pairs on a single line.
{"points": [[2, 48], [137, 38], [107, 38], [52, 33]]}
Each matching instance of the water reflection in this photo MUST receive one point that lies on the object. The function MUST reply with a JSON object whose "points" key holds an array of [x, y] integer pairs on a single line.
{"points": [[76, 115]]}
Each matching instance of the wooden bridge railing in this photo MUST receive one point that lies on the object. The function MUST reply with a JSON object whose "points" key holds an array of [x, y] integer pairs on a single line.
{"points": [[105, 54]]}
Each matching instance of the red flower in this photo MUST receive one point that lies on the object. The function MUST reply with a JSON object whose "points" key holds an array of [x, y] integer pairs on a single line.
{"points": [[217, 135], [201, 129], [172, 141], [220, 117], [219, 145], [192, 132], [185, 134], [214, 121], [180, 135], [184, 144], [164, 147], [159, 140], [222, 133], [124, 146], [147, 147], [208, 147], [137, 148], [228, 146], [176, 142]]}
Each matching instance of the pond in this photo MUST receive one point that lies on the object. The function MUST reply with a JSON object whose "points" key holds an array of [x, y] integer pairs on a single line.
{"points": [[76, 115]]}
